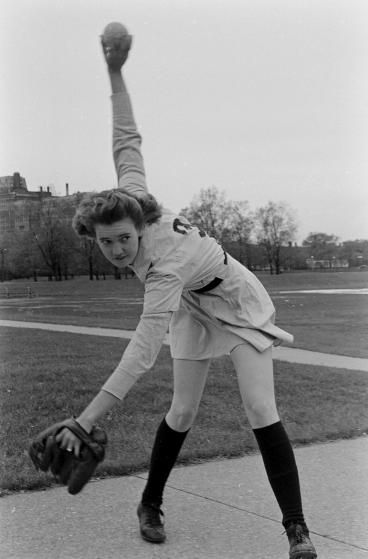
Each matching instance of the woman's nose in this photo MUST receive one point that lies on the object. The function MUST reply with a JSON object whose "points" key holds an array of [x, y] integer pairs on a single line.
{"points": [[117, 249]]}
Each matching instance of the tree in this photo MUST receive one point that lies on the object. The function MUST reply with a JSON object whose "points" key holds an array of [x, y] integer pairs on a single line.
{"points": [[54, 236], [85, 252], [294, 257], [240, 224], [226, 220], [90, 258], [22, 258], [208, 211], [275, 227], [356, 252], [321, 245]]}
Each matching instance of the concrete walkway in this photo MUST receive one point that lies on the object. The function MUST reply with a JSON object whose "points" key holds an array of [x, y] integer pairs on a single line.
{"points": [[281, 353], [217, 510]]}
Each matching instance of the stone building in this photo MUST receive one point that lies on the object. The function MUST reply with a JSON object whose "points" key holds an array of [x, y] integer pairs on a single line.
{"points": [[18, 205]]}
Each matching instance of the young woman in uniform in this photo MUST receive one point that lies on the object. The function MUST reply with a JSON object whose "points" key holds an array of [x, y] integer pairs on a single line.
{"points": [[211, 304]]}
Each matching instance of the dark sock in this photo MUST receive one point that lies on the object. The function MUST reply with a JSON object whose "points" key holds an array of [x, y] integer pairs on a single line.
{"points": [[165, 451], [282, 471]]}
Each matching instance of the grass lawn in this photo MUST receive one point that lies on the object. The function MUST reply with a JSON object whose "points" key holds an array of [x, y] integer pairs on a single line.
{"points": [[331, 323], [49, 376]]}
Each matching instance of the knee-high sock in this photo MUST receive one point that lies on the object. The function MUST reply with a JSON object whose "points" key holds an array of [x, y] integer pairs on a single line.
{"points": [[279, 460], [165, 451]]}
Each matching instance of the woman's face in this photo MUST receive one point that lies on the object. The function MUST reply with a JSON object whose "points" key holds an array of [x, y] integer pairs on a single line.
{"points": [[119, 242]]}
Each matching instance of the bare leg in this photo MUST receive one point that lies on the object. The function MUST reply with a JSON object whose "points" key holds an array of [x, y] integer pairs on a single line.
{"points": [[189, 381], [256, 383]]}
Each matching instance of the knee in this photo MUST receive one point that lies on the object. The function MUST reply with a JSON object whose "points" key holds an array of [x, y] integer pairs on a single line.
{"points": [[261, 413], [181, 418]]}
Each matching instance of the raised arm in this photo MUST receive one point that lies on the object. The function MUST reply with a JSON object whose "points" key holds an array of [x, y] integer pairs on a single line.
{"points": [[126, 138]]}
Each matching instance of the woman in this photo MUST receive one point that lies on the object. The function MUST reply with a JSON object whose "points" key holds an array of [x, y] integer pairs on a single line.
{"points": [[212, 306]]}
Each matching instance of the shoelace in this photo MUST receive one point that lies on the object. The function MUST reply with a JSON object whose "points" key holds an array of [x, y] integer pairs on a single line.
{"points": [[300, 536], [153, 515]]}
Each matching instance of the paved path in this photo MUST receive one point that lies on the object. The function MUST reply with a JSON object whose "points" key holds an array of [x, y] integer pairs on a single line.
{"points": [[217, 510], [281, 353]]}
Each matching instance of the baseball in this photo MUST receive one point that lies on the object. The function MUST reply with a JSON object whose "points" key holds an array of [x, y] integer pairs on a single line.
{"points": [[115, 32]]}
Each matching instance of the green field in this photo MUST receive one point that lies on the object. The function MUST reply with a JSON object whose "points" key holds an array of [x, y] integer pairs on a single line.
{"points": [[47, 376], [320, 322]]}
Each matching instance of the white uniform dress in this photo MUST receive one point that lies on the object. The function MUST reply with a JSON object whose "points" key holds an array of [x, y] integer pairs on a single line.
{"points": [[175, 259]]}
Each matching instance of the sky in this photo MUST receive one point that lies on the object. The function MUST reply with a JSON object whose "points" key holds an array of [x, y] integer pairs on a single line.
{"points": [[264, 99]]}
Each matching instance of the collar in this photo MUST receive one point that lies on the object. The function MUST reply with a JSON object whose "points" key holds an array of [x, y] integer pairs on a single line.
{"points": [[142, 261]]}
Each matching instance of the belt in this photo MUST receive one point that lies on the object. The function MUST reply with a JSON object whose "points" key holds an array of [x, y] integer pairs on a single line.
{"points": [[214, 283]]}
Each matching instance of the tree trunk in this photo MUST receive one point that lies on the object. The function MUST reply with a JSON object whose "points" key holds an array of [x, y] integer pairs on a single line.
{"points": [[277, 260], [59, 273], [90, 266], [117, 274]]}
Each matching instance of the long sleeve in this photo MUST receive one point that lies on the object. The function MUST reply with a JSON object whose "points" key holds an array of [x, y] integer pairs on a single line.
{"points": [[127, 146], [140, 355]]}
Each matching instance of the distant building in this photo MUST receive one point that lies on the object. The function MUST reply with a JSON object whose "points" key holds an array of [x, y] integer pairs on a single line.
{"points": [[20, 207], [324, 264]]}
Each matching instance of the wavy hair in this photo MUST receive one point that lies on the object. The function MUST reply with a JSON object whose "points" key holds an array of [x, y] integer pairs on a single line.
{"points": [[110, 206]]}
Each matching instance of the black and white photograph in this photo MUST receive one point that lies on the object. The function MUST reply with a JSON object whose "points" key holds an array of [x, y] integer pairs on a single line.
{"points": [[184, 279]]}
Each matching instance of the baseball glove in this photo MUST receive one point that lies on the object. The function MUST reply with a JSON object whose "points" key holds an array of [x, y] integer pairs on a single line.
{"points": [[67, 468]]}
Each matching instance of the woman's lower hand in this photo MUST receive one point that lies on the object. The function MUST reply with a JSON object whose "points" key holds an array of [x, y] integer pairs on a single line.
{"points": [[68, 441]]}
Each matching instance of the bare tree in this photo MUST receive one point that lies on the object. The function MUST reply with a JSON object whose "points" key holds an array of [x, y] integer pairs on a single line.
{"points": [[208, 211], [53, 235], [22, 257], [226, 220], [240, 225], [275, 228], [91, 258]]}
